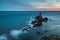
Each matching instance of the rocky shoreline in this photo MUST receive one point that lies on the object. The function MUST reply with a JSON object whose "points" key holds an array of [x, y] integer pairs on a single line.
{"points": [[51, 37]]}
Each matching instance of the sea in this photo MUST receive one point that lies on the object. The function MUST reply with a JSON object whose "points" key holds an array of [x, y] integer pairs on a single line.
{"points": [[13, 22]]}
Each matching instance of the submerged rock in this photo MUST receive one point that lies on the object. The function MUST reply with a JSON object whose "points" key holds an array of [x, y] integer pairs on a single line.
{"points": [[42, 32]]}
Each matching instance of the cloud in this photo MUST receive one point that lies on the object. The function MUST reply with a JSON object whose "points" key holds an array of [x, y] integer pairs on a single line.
{"points": [[24, 5], [48, 5]]}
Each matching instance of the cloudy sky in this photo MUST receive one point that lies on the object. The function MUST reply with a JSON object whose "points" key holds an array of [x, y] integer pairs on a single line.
{"points": [[29, 5]]}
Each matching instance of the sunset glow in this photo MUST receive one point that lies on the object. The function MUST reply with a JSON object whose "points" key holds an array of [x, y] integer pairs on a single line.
{"points": [[54, 6], [30, 5]]}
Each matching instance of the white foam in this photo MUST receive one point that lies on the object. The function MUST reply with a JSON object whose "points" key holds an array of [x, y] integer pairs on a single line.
{"points": [[16, 33], [55, 26], [3, 37], [29, 22]]}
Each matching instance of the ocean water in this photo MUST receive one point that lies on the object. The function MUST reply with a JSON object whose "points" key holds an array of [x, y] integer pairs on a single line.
{"points": [[12, 23]]}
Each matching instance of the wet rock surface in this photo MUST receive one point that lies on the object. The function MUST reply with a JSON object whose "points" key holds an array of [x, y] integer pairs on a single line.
{"points": [[51, 37]]}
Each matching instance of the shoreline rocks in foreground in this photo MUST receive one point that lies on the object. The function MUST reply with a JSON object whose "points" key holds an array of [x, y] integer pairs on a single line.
{"points": [[51, 37]]}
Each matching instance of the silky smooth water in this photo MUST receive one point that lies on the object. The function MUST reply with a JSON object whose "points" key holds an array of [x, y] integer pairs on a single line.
{"points": [[12, 22]]}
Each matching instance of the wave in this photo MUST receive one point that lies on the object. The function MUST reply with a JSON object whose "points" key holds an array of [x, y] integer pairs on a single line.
{"points": [[16, 33], [29, 22], [3, 37], [13, 33]]}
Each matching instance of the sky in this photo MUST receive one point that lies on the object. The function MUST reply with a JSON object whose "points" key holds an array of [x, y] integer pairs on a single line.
{"points": [[29, 5]]}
